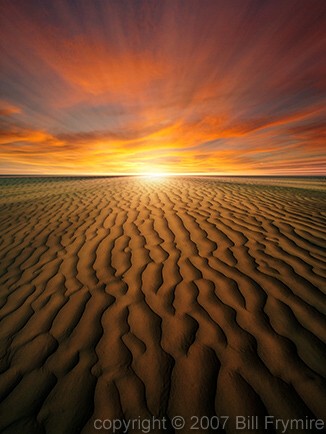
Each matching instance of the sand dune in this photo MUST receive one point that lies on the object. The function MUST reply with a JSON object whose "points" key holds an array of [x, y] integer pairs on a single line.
{"points": [[126, 298]]}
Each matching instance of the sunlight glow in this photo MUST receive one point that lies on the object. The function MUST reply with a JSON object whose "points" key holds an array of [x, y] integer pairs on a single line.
{"points": [[154, 175]]}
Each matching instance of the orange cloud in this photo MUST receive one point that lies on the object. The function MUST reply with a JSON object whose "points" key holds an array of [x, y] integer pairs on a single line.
{"points": [[125, 86], [8, 109]]}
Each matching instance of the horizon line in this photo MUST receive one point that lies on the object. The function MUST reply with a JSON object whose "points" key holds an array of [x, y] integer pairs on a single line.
{"points": [[142, 175]]}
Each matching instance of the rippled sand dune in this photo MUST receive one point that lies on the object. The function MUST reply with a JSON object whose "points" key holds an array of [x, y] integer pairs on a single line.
{"points": [[126, 297]]}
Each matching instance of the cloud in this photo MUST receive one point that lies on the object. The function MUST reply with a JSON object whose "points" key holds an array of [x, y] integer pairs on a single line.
{"points": [[8, 109], [184, 86]]}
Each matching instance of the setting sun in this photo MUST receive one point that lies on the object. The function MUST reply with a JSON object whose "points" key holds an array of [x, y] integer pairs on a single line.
{"points": [[154, 175]]}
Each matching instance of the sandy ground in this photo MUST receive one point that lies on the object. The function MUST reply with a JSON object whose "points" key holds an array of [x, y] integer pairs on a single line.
{"points": [[125, 298]]}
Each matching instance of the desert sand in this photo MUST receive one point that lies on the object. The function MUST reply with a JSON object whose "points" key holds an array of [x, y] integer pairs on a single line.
{"points": [[128, 298]]}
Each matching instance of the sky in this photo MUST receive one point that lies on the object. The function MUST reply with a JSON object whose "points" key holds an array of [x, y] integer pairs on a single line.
{"points": [[163, 86]]}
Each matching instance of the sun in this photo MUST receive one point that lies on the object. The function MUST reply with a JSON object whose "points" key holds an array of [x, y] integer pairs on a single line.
{"points": [[154, 175]]}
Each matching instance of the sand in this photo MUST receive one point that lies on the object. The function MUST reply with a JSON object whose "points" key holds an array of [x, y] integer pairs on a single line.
{"points": [[128, 298]]}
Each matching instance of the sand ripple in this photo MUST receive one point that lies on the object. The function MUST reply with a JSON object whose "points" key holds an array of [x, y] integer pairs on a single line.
{"points": [[126, 298]]}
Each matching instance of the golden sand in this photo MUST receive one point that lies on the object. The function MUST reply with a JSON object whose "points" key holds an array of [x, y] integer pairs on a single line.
{"points": [[126, 298]]}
